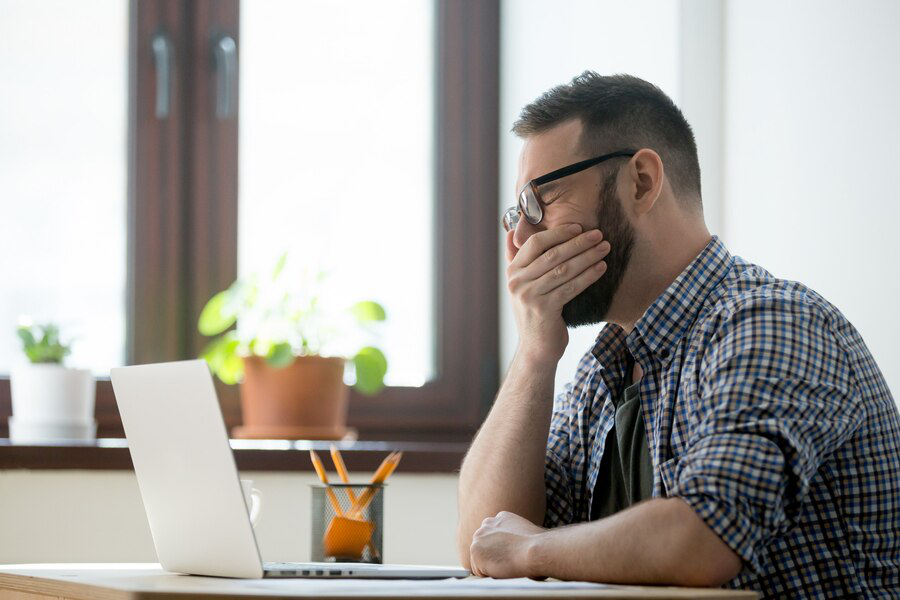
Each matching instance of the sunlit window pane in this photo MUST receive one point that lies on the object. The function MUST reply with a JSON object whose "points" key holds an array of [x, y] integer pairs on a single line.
{"points": [[337, 152], [63, 103]]}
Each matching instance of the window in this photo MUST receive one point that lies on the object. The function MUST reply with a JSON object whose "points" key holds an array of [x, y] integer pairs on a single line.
{"points": [[63, 175], [195, 212], [337, 160]]}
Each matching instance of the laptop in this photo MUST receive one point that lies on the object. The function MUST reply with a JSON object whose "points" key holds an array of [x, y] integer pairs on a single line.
{"points": [[189, 482]]}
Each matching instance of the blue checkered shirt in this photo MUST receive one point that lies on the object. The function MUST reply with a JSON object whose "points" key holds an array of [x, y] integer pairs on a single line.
{"points": [[765, 412]]}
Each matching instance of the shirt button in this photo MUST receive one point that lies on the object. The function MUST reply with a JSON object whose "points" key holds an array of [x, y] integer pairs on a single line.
{"points": [[664, 353]]}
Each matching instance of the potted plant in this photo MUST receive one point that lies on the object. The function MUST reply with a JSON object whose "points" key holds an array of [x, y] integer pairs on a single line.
{"points": [[289, 351], [50, 402]]}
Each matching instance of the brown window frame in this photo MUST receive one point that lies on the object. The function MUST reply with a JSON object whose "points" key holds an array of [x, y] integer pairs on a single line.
{"points": [[182, 216]]}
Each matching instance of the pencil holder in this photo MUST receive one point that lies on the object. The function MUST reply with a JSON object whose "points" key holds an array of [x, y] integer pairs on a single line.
{"points": [[347, 522]]}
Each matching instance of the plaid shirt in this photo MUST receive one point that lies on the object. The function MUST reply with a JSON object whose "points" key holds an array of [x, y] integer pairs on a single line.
{"points": [[765, 412]]}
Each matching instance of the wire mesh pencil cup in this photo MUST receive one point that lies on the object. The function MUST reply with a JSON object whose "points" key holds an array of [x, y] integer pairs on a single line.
{"points": [[347, 522]]}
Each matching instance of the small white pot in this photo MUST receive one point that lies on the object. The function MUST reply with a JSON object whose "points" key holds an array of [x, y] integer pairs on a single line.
{"points": [[51, 403]]}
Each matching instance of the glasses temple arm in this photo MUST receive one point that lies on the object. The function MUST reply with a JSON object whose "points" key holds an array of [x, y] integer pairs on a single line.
{"points": [[580, 166]]}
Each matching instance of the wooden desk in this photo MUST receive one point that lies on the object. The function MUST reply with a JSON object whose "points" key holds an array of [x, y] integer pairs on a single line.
{"points": [[149, 582]]}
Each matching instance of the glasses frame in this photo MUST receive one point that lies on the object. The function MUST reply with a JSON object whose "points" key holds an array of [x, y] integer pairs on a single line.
{"points": [[530, 203]]}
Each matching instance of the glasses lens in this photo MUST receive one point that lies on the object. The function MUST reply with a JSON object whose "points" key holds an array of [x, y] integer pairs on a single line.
{"points": [[511, 218], [529, 205]]}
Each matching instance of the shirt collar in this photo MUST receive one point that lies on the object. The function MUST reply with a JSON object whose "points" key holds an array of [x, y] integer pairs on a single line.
{"points": [[671, 315], [610, 345], [666, 320]]}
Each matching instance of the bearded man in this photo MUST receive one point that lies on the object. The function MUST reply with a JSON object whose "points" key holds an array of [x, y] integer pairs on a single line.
{"points": [[726, 428]]}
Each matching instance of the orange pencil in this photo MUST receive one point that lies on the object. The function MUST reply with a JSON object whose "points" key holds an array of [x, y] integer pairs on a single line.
{"points": [[384, 471], [341, 468], [394, 464], [320, 470], [386, 467]]}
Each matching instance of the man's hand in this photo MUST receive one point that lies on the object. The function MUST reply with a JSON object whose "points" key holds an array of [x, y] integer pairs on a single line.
{"points": [[500, 546], [551, 268]]}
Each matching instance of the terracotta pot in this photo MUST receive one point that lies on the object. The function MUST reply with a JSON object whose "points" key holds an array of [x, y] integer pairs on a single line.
{"points": [[304, 400]]}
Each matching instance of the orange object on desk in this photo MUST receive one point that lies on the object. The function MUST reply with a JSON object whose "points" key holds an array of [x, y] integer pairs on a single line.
{"points": [[347, 537]]}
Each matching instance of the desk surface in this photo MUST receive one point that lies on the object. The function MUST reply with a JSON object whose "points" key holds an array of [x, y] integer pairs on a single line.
{"points": [[149, 582]]}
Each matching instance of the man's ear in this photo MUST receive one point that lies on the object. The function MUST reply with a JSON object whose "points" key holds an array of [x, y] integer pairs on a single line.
{"points": [[645, 180]]}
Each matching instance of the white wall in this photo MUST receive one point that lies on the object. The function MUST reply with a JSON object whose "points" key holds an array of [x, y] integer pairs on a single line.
{"points": [[812, 153], [546, 43], [794, 106], [97, 516]]}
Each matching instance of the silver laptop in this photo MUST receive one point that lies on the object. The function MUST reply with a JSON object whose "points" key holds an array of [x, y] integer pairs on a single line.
{"points": [[189, 482]]}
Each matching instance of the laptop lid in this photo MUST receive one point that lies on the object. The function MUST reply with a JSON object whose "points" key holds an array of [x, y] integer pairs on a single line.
{"points": [[185, 469]]}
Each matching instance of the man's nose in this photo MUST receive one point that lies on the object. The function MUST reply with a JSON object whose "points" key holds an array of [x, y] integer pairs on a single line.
{"points": [[524, 230]]}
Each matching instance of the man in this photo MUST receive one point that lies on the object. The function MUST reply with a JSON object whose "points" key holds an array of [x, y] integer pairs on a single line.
{"points": [[727, 427]]}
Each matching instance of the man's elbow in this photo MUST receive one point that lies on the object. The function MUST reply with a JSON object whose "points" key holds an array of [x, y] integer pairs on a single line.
{"points": [[717, 569], [710, 562]]}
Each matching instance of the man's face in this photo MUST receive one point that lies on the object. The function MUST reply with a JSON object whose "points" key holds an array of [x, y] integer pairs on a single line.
{"points": [[588, 199]]}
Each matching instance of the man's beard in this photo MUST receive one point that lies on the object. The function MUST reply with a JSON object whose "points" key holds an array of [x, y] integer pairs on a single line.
{"points": [[591, 306]]}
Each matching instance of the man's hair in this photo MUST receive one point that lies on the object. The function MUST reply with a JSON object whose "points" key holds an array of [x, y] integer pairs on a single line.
{"points": [[619, 112]]}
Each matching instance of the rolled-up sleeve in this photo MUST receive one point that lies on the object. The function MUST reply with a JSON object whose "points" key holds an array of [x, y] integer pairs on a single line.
{"points": [[557, 481], [775, 400]]}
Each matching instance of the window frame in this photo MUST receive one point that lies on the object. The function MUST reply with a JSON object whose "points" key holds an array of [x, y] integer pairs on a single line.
{"points": [[183, 211]]}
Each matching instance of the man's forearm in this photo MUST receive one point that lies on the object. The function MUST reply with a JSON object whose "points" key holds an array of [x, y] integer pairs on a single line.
{"points": [[504, 468], [660, 541]]}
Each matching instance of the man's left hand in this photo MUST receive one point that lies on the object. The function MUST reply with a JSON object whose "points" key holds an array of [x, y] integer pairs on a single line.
{"points": [[500, 546]]}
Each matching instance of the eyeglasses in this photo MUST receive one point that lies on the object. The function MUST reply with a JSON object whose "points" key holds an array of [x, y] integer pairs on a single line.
{"points": [[530, 202]]}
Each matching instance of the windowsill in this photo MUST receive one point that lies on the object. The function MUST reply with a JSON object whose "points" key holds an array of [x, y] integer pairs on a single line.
{"points": [[250, 455]]}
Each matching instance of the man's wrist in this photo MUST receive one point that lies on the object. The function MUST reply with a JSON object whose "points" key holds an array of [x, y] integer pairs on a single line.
{"points": [[534, 555], [536, 360]]}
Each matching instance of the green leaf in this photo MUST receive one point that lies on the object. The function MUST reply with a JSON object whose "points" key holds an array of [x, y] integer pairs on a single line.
{"points": [[367, 311], [214, 353], [51, 333], [56, 353], [223, 359], [232, 370], [216, 317], [280, 355], [371, 367], [26, 336]]}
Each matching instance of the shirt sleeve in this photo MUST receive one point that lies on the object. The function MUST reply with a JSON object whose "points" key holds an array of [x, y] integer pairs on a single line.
{"points": [[557, 481], [776, 398]]}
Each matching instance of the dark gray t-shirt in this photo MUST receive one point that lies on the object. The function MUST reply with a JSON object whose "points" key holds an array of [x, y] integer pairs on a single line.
{"points": [[626, 472]]}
